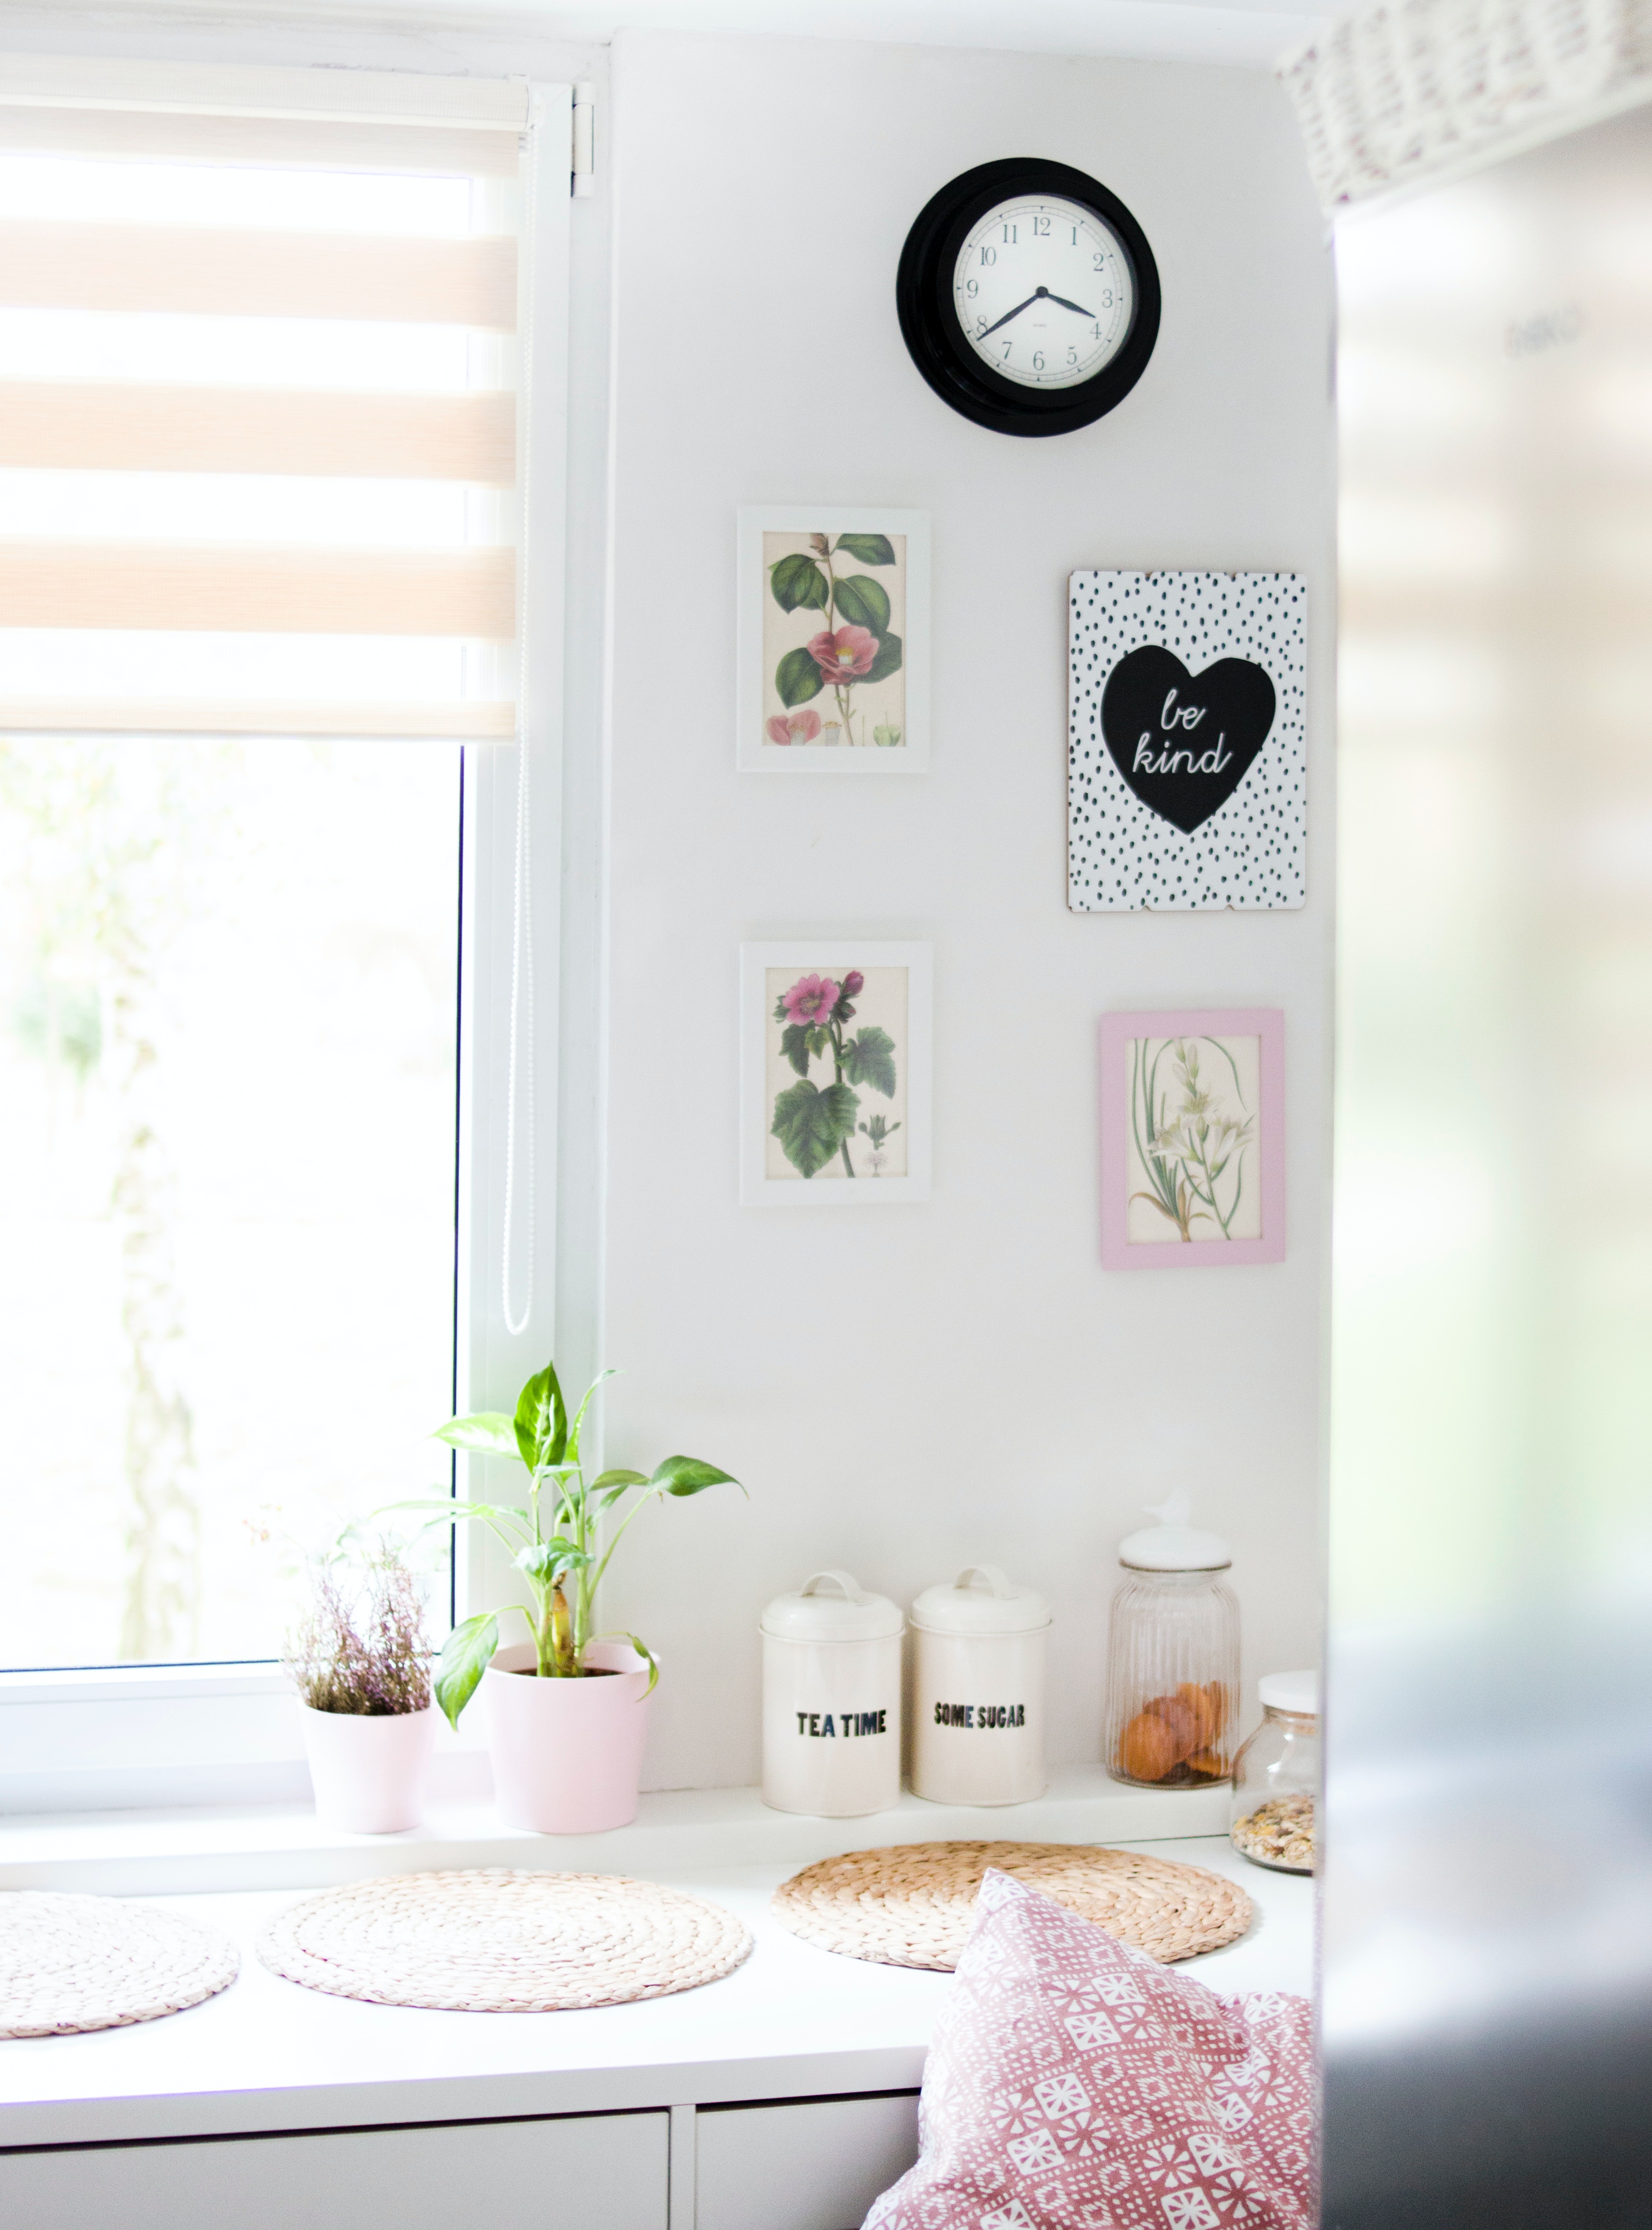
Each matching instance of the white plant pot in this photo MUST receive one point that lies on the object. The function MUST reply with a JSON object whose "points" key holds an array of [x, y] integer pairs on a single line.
{"points": [[369, 1773], [567, 1754]]}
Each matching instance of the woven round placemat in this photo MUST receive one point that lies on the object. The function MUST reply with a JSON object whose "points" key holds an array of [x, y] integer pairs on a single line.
{"points": [[489, 1941], [910, 1906], [72, 1964]]}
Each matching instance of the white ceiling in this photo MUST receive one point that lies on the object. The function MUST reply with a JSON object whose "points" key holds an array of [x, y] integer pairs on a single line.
{"points": [[1245, 31]]}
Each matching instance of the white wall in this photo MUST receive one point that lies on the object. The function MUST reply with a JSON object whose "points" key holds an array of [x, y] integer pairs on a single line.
{"points": [[903, 1390], [907, 1390]]}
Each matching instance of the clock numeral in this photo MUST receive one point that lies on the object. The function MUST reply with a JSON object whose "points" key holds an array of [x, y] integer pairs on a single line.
{"points": [[1107, 299], [1075, 235], [1072, 355], [1010, 236], [981, 327], [1038, 360], [1101, 258], [1007, 347], [971, 288], [989, 255], [1041, 228], [1095, 332]]}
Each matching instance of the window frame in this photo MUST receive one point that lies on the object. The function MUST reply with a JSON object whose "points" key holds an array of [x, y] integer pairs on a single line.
{"points": [[116, 1737]]}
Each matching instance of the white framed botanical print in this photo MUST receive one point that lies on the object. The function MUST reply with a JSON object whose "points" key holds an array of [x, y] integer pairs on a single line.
{"points": [[835, 1073], [833, 641]]}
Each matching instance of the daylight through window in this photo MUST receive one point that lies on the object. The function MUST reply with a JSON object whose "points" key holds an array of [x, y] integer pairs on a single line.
{"points": [[256, 473]]}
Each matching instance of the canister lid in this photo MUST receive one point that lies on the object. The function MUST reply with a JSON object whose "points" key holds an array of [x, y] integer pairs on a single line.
{"points": [[832, 1606], [979, 1601], [1289, 1692], [1173, 1545]]}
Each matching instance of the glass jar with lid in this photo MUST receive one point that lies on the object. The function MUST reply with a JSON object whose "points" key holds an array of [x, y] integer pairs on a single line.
{"points": [[1276, 1776], [1172, 1658]]}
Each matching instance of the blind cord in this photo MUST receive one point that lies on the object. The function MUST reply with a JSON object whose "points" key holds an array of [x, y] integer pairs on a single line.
{"points": [[521, 1042]]}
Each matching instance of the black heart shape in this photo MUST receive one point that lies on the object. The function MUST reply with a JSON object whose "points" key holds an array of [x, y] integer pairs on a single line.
{"points": [[1184, 742]]}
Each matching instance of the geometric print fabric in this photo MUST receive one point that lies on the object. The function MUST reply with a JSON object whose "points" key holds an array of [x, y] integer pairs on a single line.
{"points": [[1074, 2083]]}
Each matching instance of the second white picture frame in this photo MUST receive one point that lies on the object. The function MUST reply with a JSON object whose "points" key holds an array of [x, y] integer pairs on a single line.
{"points": [[834, 1071], [832, 640]]}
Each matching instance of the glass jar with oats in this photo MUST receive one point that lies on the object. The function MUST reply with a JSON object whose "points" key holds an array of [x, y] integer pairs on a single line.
{"points": [[1276, 1776], [1172, 1660]]}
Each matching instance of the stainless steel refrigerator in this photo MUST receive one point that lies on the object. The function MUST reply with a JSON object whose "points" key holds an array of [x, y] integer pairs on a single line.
{"points": [[1486, 1946]]}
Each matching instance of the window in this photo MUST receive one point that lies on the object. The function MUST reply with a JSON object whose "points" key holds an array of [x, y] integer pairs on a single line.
{"points": [[228, 1019], [259, 519]]}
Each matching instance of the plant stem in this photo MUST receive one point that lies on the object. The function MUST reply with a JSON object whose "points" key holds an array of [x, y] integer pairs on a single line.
{"points": [[837, 1078], [1209, 1198], [831, 628]]}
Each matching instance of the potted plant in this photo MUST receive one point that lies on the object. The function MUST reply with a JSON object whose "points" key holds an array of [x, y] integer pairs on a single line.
{"points": [[565, 1721], [361, 1663]]}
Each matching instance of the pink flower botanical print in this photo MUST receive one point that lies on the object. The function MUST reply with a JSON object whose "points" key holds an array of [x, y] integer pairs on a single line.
{"points": [[794, 727], [811, 1000], [845, 656], [855, 645], [815, 1123]]}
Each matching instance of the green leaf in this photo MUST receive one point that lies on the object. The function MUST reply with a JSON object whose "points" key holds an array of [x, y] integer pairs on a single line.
{"points": [[863, 602], [811, 1124], [870, 549], [464, 1660], [446, 1512], [871, 1060], [798, 679], [799, 583], [794, 1043], [542, 1420], [620, 1479], [489, 1434], [887, 662], [572, 1450], [687, 1475], [642, 1650], [546, 1561]]}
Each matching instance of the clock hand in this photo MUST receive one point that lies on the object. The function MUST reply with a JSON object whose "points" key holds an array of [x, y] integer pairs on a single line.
{"points": [[1066, 305], [1008, 314]]}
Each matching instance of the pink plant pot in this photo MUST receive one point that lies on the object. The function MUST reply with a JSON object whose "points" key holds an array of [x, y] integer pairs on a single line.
{"points": [[369, 1774], [567, 1754]]}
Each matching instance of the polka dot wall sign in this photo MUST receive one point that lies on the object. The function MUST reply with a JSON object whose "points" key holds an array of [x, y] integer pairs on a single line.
{"points": [[1187, 747]]}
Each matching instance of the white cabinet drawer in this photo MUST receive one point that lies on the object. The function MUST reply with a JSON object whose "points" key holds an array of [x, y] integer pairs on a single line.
{"points": [[816, 2165], [414, 2179]]}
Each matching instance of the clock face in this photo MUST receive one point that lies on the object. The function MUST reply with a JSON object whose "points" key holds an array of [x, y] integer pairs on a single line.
{"points": [[1027, 296], [1043, 292]]}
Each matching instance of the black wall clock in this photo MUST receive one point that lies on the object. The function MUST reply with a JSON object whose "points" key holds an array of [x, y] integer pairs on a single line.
{"points": [[1028, 297]]}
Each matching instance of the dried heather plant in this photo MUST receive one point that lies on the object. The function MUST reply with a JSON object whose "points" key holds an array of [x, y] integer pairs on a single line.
{"points": [[363, 1648]]}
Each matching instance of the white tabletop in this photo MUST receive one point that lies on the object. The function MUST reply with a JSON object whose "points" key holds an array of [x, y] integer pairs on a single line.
{"points": [[792, 2021]]}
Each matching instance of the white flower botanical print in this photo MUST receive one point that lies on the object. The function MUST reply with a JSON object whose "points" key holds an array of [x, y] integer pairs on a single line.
{"points": [[1194, 1152]]}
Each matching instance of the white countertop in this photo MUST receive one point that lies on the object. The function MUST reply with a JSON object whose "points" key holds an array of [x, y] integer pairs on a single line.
{"points": [[792, 2021]]}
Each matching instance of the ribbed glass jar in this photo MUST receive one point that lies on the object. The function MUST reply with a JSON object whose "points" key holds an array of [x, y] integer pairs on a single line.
{"points": [[1172, 1680]]}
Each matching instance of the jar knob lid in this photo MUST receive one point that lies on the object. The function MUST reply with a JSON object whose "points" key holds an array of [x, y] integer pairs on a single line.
{"points": [[848, 1586], [996, 1582]]}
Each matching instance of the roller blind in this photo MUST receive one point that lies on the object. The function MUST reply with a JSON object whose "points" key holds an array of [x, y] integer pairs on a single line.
{"points": [[258, 441]]}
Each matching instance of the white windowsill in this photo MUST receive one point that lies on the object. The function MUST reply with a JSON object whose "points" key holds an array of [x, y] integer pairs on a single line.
{"points": [[792, 2021], [123, 1684], [206, 1848]]}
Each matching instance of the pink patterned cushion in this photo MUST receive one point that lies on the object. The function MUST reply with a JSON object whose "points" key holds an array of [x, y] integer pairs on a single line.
{"points": [[1074, 2083]]}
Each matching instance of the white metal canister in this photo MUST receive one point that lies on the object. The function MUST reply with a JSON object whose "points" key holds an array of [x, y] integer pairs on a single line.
{"points": [[831, 1699], [978, 1701]]}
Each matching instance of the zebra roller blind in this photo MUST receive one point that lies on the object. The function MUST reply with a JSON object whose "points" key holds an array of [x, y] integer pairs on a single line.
{"points": [[258, 444]]}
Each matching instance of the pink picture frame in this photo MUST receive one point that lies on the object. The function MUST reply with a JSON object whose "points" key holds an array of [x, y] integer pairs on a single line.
{"points": [[1192, 1171]]}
